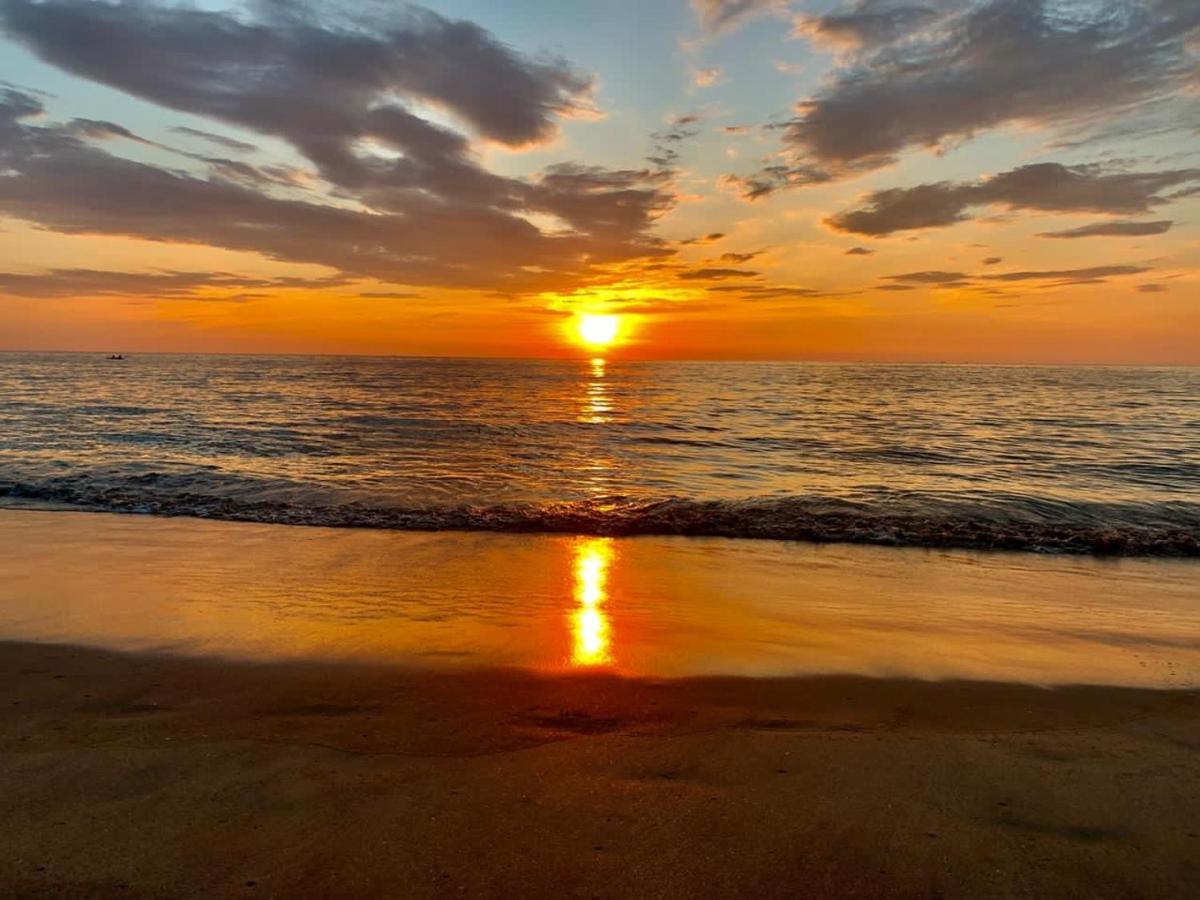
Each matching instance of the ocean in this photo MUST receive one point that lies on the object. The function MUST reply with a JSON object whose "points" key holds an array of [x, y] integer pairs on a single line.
{"points": [[1047, 459]]}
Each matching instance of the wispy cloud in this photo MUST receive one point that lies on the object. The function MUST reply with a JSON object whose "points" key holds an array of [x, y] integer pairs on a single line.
{"points": [[716, 15], [1112, 229]]}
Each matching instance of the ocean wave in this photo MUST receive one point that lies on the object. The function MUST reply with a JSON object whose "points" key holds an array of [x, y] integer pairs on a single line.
{"points": [[1012, 522]]}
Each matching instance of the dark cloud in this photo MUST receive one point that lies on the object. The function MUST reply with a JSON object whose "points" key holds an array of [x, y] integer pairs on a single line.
{"points": [[713, 273], [62, 183], [1048, 187], [220, 167], [933, 73], [666, 142], [773, 177], [1151, 288], [718, 14], [251, 175], [860, 251], [220, 140], [603, 203], [312, 73], [740, 257], [170, 285], [1093, 275], [993, 260], [1112, 229], [710, 238], [902, 209], [328, 83], [930, 277], [765, 291], [411, 201], [1055, 277]]}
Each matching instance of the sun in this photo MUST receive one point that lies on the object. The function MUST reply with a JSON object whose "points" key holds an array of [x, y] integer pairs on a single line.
{"points": [[596, 330]]}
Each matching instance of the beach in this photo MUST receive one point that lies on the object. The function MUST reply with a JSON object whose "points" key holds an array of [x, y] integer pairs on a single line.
{"points": [[144, 776], [203, 709], [692, 449]]}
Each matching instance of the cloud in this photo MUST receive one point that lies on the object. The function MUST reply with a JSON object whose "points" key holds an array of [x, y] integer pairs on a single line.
{"points": [[866, 24], [329, 82], [931, 277], [714, 273], [740, 257], [1092, 274], [716, 15], [771, 178], [388, 295], [100, 130], [666, 142], [710, 238], [168, 285], [993, 260], [1112, 229], [61, 183], [220, 140], [707, 77], [1048, 187], [1055, 277], [860, 251], [311, 73], [935, 73], [767, 291], [1151, 288], [409, 201]]}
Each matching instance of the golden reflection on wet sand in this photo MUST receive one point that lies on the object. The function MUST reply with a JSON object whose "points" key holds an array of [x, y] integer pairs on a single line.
{"points": [[656, 607], [590, 628]]}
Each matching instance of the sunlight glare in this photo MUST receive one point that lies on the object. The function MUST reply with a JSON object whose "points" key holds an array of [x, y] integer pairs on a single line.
{"points": [[597, 330]]}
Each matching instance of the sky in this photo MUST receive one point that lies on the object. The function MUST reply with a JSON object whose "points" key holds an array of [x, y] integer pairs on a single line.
{"points": [[1012, 181]]}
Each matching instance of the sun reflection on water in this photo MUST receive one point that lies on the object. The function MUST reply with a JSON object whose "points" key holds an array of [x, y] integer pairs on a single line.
{"points": [[591, 633], [597, 402]]}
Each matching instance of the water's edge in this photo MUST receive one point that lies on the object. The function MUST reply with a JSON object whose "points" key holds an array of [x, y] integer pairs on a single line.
{"points": [[1107, 531]]}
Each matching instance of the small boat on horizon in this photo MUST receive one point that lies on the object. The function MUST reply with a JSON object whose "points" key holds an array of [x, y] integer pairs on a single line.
{"points": [[116, 356]]}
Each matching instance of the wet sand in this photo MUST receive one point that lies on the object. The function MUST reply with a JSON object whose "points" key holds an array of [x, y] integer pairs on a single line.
{"points": [[130, 775], [211, 709], [643, 607]]}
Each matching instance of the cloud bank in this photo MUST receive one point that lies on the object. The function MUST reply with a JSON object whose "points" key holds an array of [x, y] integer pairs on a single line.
{"points": [[934, 73], [408, 198]]}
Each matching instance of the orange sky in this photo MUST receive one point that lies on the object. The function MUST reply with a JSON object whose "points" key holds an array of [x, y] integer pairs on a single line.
{"points": [[758, 183]]}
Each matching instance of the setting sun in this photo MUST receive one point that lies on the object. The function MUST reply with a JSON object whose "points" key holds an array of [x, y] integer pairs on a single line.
{"points": [[597, 330]]}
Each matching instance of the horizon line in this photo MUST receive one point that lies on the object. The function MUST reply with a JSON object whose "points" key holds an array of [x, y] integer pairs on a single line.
{"points": [[618, 358]]}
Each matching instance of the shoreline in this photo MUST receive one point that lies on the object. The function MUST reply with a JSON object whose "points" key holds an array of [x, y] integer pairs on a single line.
{"points": [[153, 776], [820, 521], [640, 606]]}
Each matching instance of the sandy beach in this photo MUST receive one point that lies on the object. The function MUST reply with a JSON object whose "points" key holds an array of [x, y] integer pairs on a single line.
{"points": [[140, 776], [213, 709]]}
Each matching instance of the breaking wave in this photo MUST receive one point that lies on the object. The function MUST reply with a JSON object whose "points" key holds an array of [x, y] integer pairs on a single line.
{"points": [[1005, 522]]}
